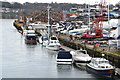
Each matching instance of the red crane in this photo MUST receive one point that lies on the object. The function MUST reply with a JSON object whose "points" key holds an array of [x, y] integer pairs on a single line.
{"points": [[97, 24]]}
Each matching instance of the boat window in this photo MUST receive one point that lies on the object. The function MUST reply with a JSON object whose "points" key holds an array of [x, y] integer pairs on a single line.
{"points": [[44, 38], [102, 66], [51, 42], [53, 38], [31, 37], [83, 52], [96, 63], [103, 62]]}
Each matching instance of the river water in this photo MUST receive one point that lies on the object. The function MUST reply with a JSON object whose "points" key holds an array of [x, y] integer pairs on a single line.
{"points": [[32, 61]]}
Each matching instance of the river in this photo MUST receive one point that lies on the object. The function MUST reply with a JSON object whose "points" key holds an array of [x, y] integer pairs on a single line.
{"points": [[32, 61]]}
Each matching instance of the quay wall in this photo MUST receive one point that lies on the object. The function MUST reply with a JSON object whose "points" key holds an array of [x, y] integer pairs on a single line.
{"points": [[94, 52]]}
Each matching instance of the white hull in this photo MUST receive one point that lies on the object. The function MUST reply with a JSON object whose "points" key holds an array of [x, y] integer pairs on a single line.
{"points": [[64, 61], [53, 47], [81, 56], [81, 60], [81, 64]]}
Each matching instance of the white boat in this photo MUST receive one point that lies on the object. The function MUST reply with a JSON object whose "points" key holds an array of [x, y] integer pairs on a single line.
{"points": [[81, 30], [43, 40], [64, 57], [101, 66], [81, 57], [53, 43]]}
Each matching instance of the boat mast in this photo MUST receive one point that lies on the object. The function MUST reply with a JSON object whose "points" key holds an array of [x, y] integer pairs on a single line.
{"points": [[89, 14], [109, 17], [48, 9], [49, 27]]}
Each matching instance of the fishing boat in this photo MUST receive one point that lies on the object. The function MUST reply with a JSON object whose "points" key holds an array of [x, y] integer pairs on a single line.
{"points": [[53, 43], [30, 37], [101, 66], [64, 57], [81, 57]]}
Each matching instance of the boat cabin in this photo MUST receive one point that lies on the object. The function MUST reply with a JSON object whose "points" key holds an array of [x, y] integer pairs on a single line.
{"points": [[101, 63]]}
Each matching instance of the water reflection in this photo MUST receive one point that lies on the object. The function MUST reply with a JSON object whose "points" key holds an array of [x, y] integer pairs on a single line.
{"points": [[32, 61], [64, 68]]}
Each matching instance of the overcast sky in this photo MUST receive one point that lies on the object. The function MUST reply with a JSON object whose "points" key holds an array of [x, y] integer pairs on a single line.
{"points": [[62, 1]]}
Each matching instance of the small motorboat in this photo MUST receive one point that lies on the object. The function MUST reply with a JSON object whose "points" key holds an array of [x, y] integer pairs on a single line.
{"points": [[44, 40], [64, 57], [81, 57], [53, 43], [101, 66]]}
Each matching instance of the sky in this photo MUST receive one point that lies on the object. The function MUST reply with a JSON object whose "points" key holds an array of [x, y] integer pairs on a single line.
{"points": [[64, 1]]}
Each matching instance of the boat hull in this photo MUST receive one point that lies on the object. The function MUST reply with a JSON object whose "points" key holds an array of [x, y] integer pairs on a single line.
{"points": [[53, 47], [64, 61], [105, 72], [81, 61], [30, 41]]}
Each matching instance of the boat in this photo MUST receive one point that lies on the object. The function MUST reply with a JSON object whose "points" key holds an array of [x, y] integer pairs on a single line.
{"points": [[81, 30], [30, 37], [64, 57], [44, 40], [81, 57], [101, 66], [35, 23], [18, 24], [53, 43]]}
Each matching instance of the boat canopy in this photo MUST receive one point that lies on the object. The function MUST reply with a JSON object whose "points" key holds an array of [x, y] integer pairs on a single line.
{"points": [[64, 55]]}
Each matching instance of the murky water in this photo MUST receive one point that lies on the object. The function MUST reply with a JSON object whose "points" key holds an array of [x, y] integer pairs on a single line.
{"points": [[32, 61]]}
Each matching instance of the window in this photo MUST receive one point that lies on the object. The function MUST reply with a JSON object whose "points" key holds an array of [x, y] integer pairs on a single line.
{"points": [[53, 38]]}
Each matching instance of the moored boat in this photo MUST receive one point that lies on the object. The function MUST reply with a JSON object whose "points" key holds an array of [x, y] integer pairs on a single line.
{"points": [[64, 57], [18, 25], [44, 40], [101, 66], [53, 43], [81, 57]]}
